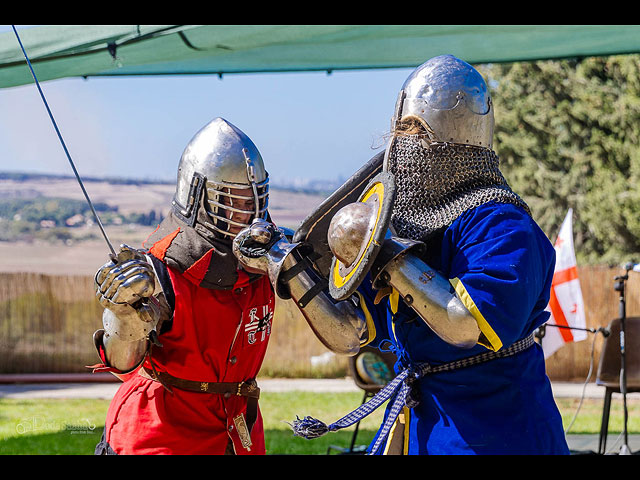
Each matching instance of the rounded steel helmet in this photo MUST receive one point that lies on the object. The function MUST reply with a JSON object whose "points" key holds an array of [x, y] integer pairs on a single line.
{"points": [[219, 158], [450, 99]]}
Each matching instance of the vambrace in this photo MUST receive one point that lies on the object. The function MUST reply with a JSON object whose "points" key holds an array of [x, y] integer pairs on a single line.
{"points": [[335, 324], [426, 291]]}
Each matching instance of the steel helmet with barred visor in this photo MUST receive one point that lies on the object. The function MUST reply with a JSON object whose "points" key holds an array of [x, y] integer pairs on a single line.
{"points": [[220, 159]]}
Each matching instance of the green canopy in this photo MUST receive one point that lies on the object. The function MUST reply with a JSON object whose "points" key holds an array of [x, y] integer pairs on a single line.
{"points": [[109, 50]]}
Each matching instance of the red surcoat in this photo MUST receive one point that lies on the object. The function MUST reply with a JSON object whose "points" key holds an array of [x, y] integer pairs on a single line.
{"points": [[216, 336]]}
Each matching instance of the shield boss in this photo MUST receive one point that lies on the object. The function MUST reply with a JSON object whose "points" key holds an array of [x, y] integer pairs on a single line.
{"points": [[356, 233]]}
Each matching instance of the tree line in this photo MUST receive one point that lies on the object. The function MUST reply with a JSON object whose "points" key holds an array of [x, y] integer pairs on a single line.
{"points": [[51, 218], [567, 134]]}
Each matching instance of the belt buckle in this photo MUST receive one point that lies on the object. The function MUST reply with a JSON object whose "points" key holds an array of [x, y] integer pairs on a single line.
{"points": [[251, 386], [204, 386]]}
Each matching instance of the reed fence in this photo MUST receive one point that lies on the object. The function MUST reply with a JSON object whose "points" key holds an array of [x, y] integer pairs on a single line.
{"points": [[47, 323]]}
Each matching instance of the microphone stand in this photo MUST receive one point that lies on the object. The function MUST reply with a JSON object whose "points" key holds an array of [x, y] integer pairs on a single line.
{"points": [[605, 332], [619, 286], [541, 331]]}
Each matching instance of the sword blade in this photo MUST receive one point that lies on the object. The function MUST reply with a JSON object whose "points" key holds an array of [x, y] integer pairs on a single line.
{"points": [[64, 146]]}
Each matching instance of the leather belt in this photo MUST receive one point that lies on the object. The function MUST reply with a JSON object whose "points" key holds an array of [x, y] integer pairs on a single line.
{"points": [[247, 388]]}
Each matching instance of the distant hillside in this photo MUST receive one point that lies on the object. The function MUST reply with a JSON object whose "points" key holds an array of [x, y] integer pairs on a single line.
{"points": [[323, 187], [52, 208], [25, 176]]}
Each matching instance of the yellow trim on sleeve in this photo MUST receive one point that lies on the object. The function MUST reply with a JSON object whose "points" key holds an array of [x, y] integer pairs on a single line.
{"points": [[394, 299], [371, 327], [494, 341]]}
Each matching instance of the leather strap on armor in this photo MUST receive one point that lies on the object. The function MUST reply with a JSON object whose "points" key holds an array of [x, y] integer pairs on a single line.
{"points": [[304, 264]]}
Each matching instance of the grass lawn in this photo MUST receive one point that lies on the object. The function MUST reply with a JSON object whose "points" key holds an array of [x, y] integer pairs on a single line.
{"points": [[73, 427]]}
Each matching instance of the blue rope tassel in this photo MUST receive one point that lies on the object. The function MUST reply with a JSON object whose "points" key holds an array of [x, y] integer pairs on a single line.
{"points": [[400, 389], [309, 427]]}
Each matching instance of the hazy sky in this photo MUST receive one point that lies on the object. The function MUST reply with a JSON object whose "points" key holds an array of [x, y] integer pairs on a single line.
{"points": [[306, 125]]}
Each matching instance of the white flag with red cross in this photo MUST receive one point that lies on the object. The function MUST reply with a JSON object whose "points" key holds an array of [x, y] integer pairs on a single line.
{"points": [[565, 303]]}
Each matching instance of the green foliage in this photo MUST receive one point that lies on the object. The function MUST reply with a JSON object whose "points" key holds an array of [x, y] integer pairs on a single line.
{"points": [[57, 210], [50, 219], [568, 135]]}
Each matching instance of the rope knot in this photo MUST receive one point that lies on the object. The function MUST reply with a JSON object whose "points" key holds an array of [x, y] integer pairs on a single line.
{"points": [[412, 398]]}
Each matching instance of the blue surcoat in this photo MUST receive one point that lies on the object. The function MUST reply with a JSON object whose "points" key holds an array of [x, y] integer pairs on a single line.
{"points": [[501, 265]]}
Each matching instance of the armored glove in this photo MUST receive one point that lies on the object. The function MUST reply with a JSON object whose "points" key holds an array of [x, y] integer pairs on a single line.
{"points": [[263, 248], [125, 287], [253, 244]]}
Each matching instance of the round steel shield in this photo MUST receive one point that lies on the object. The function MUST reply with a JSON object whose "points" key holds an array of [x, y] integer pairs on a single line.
{"points": [[378, 196]]}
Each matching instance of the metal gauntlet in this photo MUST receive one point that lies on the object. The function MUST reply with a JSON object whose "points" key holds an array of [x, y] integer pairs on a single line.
{"points": [[426, 291], [125, 287], [262, 248]]}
